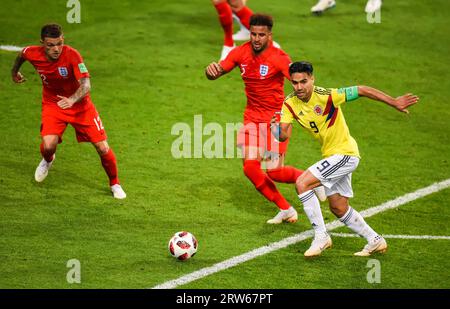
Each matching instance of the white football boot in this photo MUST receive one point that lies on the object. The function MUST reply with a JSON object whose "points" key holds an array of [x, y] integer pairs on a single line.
{"points": [[42, 169], [373, 5], [322, 6], [225, 51], [242, 35], [118, 192], [318, 245], [288, 215], [378, 245], [320, 193]]}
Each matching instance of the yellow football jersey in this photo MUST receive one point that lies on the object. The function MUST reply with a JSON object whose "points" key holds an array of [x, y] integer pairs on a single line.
{"points": [[322, 117]]}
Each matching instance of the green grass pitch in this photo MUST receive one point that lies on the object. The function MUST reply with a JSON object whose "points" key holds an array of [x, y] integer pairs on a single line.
{"points": [[147, 60]]}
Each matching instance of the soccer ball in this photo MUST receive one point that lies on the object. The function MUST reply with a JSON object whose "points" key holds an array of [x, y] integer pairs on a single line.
{"points": [[183, 245]]}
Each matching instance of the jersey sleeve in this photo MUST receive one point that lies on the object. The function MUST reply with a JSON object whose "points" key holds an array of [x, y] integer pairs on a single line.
{"points": [[286, 114], [231, 61], [78, 66], [343, 95], [26, 53], [284, 64]]}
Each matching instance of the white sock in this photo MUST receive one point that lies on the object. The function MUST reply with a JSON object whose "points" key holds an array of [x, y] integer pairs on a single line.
{"points": [[312, 209], [357, 224]]}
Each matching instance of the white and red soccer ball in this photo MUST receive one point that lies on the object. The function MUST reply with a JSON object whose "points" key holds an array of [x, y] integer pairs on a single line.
{"points": [[183, 245]]}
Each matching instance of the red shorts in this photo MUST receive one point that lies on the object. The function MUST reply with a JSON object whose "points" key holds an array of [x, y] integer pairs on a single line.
{"points": [[259, 135], [88, 125]]}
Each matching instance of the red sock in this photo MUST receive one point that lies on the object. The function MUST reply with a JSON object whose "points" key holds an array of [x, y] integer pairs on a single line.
{"points": [[110, 165], [262, 182], [285, 174], [244, 15], [46, 154], [226, 20]]}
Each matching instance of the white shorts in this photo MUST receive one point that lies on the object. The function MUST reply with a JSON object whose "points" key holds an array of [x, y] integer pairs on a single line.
{"points": [[335, 174]]}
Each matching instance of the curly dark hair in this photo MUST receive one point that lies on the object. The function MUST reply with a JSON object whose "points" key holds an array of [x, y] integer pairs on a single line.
{"points": [[262, 20]]}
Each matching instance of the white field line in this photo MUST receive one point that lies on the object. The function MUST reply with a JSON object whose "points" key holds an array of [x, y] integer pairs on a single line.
{"points": [[299, 237], [11, 48], [426, 237]]}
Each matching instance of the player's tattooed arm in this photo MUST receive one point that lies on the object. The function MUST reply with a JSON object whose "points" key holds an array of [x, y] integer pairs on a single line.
{"points": [[17, 77], [83, 90], [85, 87]]}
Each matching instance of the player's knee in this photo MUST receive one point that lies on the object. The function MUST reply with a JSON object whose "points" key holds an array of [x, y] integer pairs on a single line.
{"points": [[236, 5], [102, 148], [337, 210], [50, 146], [300, 185]]}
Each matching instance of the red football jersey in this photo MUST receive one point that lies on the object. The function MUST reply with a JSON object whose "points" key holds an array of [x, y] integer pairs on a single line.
{"points": [[59, 77], [263, 76]]}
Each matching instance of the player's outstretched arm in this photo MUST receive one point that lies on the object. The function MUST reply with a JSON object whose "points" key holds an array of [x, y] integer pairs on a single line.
{"points": [[214, 71], [17, 77], [400, 103]]}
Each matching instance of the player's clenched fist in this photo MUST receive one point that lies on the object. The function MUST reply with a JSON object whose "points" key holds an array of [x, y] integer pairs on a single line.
{"points": [[213, 71], [18, 78]]}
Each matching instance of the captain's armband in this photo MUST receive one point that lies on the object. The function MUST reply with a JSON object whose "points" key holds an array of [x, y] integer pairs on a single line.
{"points": [[351, 93]]}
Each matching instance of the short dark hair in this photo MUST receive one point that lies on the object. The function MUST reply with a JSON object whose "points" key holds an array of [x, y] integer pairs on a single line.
{"points": [[261, 20], [301, 67], [51, 31]]}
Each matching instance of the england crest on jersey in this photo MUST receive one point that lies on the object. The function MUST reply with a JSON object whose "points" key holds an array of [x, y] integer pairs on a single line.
{"points": [[63, 71], [263, 70]]}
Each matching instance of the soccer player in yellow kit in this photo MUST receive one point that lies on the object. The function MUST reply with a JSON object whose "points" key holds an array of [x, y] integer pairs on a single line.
{"points": [[318, 110]]}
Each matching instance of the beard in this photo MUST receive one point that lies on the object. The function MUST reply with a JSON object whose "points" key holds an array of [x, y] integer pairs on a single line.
{"points": [[259, 49]]}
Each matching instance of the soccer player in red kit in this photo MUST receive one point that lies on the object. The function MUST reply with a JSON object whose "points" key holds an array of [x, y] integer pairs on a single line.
{"points": [[65, 100], [263, 69]]}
